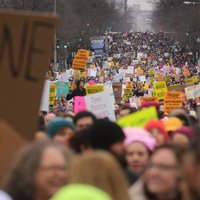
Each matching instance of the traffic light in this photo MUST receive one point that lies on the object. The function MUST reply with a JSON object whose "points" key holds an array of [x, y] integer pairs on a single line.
{"points": [[65, 46], [58, 44]]}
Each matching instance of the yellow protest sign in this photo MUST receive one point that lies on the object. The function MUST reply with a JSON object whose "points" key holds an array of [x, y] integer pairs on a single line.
{"points": [[195, 79], [80, 60], [172, 100], [152, 79], [82, 74], [52, 94], [151, 72], [128, 92], [167, 78], [94, 89], [159, 89], [138, 119], [129, 84], [146, 86], [189, 80], [147, 99]]}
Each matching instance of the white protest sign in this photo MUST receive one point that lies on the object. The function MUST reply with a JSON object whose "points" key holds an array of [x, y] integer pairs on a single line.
{"points": [[108, 87], [142, 78], [44, 105], [192, 92], [101, 105], [66, 75]]}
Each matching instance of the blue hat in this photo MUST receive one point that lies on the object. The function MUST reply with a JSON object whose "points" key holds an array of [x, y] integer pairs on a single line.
{"points": [[56, 124]]}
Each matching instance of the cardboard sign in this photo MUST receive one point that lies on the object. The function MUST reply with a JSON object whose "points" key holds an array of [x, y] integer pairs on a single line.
{"points": [[152, 79], [159, 89], [178, 87], [79, 104], [52, 95], [80, 60], [10, 142], [172, 100], [195, 79], [151, 72], [94, 89], [138, 119], [62, 89], [117, 90], [192, 92], [147, 99], [26, 44], [101, 105]]}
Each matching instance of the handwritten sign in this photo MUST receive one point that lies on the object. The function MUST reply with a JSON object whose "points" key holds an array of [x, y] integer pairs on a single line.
{"points": [[62, 89], [128, 92], [189, 80], [172, 100], [79, 104], [26, 41], [192, 92], [159, 89], [138, 119], [129, 84], [52, 95], [80, 60], [101, 105], [94, 89]]}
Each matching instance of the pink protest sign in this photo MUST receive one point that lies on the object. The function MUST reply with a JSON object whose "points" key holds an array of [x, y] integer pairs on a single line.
{"points": [[79, 104]]}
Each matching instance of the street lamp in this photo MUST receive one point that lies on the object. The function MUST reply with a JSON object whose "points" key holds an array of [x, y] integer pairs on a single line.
{"points": [[191, 2]]}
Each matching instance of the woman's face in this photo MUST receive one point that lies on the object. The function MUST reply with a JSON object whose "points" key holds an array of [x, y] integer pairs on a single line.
{"points": [[64, 135], [158, 135], [180, 139], [137, 156], [82, 84], [161, 175], [51, 174]]}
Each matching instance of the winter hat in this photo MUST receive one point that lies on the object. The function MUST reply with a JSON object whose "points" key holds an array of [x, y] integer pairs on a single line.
{"points": [[182, 115], [151, 103], [187, 131], [158, 125], [104, 133], [80, 192], [139, 135], [172, 124], [56, 124]]}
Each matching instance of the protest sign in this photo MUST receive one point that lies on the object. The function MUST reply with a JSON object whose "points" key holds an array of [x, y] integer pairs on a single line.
{"points": [[101, 105], [192, 92], [52, 95], [128, 92], [44, 105], [151, 72], [159, 89], [108, 88], [80, 60], [94, 89], [189, 81], [195, 79], [147, 99], [66, 75], [79, 104], [117, 90], [62, 89], [138, 119], [172, 100], [26, 45], [152, 79]]}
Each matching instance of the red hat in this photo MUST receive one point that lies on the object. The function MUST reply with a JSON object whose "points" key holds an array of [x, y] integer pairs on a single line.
{"points": [[157, 124], [151, 103]]}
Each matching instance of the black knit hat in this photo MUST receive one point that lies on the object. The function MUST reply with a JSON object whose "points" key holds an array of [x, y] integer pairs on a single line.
{"points": [[104, 133]]}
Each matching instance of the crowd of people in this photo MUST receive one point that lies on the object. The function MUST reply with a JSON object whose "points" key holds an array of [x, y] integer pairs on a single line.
{"points": [[80, 157]]}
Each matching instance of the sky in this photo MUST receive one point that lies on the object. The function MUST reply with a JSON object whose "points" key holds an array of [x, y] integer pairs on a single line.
{"points": [[144, 4]]}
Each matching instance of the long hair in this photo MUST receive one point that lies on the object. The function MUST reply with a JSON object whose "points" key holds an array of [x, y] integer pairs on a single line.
{"points": [[100, 169], [19, 180]]}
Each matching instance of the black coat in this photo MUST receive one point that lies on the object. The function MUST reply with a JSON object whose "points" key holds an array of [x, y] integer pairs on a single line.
{"points": [[75, 93]]}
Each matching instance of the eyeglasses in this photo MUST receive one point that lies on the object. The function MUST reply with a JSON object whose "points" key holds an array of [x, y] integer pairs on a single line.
{"points": [[163, 167], [53, 168]]}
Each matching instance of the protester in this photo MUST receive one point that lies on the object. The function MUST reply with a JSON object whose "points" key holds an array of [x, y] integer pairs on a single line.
{"points": [[84, 120], [158, 131], [39, 170], [96, 168], [48, 118], [161, 177], [60, 130], [79, 91], [139, 147]]}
